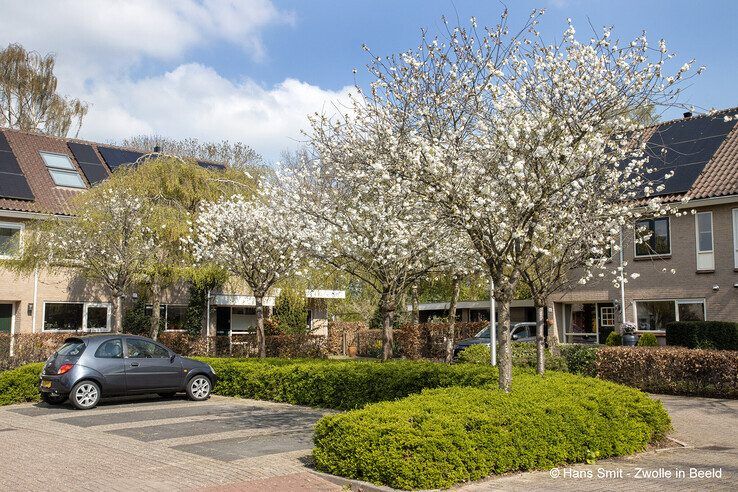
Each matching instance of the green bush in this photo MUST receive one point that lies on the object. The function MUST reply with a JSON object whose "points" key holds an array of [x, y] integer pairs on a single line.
{"points": [[580, 359], [721, 335], [342, 385], [672, 370], [524, 355], [614, 339], [445, 436], [20, 385], [648, 340]]}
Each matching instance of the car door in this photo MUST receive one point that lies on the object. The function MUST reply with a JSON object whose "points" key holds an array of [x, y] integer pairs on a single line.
{"points": [[150, 367], [108, 361]]}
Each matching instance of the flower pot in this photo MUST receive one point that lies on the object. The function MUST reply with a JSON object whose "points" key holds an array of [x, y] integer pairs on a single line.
{"points": [[629, 340]]}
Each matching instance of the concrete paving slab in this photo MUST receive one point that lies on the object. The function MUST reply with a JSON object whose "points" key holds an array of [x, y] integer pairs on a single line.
{"points": [[250, 447], [276, 419]]}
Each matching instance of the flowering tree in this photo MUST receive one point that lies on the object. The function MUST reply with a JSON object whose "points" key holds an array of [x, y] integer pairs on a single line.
{"points": [[105, 241], [252, 240], [515, 135], [359, 219]]}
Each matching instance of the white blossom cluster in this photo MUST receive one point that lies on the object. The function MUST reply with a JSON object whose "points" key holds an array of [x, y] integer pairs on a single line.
{"points": [[107, 240], [251, 239]]}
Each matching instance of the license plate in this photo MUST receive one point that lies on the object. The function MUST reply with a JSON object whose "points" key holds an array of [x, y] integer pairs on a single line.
{"points": [[46, 384]]}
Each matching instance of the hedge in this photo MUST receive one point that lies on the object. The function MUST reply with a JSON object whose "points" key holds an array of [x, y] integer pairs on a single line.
{"points": [[20, 385], [721, 335], [445, 436], [580, 359], [341, 385], [524, 355], [671, 370]]}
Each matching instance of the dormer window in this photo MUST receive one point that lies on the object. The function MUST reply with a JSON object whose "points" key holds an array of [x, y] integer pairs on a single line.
{"points": [[62, 170]]}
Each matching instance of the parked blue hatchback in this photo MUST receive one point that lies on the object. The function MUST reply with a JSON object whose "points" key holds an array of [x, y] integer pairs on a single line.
{"points": [[87, 368]]}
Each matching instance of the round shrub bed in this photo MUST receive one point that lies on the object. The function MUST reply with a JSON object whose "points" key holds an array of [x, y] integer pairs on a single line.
{"points": [[445, 436]]}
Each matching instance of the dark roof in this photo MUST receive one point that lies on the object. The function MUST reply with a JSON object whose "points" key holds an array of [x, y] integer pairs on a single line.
{"points": [[92, 160], [702, 152]]}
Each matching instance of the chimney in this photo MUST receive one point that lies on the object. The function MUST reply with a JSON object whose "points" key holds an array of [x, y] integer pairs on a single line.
{"points": [[687, 115]]}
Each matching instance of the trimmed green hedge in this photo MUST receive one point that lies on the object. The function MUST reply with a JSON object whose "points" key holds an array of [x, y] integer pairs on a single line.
{"points": [[20, 385], [721, 335], [446, 436], [580, 359], [524, 355], [342, 385]]}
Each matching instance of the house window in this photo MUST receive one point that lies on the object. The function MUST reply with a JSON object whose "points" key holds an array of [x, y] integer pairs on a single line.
{"points": [[607, 316], [62, 170], [172, 316], [63, 316], [10, 239], [652, 237], [74, 316], [655, 315], [703, 240], [176, 317]]}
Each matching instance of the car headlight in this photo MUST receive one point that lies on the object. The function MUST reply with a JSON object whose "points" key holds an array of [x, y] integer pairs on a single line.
{"points": [[211, 369]]}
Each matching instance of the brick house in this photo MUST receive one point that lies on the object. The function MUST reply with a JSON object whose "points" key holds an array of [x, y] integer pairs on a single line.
{"points": [[688, 267], [39, 174]]}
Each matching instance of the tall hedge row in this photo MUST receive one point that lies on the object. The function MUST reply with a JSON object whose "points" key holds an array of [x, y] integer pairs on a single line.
{"points": [[720, 335]]}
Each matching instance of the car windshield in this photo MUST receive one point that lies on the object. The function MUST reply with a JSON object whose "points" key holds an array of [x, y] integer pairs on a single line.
{"points": [[72, 348], [483, 334]]}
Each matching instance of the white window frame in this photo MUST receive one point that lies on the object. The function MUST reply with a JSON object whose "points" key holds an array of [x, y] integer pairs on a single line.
{"points": [[635, 238], [735, 238], [166, 317], [85, 305], [64, 170], [106, 305], [676, 309], [612, 308], [706, 258], [20, 226]]}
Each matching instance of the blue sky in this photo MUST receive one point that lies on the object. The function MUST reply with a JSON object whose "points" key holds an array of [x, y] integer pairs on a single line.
{"points": [[251, 70]]}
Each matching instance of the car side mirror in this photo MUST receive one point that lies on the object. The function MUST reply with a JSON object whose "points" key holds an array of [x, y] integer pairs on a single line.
{"points": [[171, 357], [515, 337]]}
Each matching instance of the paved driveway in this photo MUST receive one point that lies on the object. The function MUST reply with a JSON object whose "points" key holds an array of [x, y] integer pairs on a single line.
{"points": [[232, 444], [155, 444]]}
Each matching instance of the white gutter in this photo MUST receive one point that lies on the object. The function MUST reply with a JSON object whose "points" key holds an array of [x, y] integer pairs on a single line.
{"points": [[35, 299]]}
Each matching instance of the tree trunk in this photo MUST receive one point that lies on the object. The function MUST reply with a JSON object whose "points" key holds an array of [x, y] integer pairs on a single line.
{"points": [[505, 356], [553, 332], [261, 339], [540, 339], [118, 314], [387, 309], [416, 305], [155, 310], [455, 286]]}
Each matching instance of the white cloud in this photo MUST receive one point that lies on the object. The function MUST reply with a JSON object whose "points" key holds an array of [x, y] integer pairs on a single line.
{"points": [[110, 32], [194, 100], [99, 45]]}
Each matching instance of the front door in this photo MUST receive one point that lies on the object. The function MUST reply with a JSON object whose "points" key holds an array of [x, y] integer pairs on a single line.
{"points": [[150, 367], [6, 318]]}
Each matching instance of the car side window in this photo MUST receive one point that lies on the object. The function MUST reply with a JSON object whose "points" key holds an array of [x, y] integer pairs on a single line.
{"points": [[112, 349], [144, 349]]}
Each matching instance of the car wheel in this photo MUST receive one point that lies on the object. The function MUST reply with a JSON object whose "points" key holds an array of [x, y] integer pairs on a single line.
{"points": [[198, 388], [53, 399], [85, 395]]}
